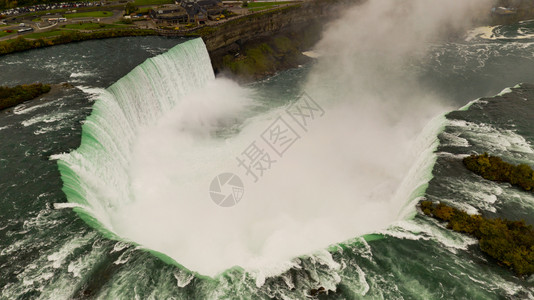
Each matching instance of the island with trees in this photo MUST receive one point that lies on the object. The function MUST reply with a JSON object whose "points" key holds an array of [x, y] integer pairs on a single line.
{"points": [[495, 169], [509, 242], [12, 96]]}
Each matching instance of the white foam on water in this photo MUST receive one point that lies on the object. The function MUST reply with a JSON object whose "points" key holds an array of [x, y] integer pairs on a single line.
{"points": [[505, 91], [470, 210], [484, 32], [80, 74], [453, 139], [491, 138], [66, 205], [94, 93], [481, 195], [57, 156], [182, 278], [58, 258], [468, 105], [48, 118], [311, 54], [46, 129], [416, 230]]}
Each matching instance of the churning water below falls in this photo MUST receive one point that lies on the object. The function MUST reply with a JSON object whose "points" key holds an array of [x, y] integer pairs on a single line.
{"points": [[157, 180]]}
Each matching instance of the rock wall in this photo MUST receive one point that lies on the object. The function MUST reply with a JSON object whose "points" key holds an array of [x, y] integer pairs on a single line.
{"points": [[302, 24]]}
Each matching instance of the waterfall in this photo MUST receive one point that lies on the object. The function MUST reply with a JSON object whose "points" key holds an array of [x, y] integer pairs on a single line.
{"points": [[95, 175], [158, 137]]}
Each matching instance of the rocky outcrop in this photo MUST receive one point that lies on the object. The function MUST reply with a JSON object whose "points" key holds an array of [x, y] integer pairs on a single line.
{"points": [[260, 44]]}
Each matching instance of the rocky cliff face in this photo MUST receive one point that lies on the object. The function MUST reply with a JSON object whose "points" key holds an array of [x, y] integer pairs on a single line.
{"points": [[260, 44]]}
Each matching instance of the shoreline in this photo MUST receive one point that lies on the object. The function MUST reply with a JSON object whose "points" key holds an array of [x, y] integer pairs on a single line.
{"points": [[54, 89], [227, 41]]}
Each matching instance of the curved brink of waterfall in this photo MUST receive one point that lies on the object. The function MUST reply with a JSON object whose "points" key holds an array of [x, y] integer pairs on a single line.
{"points": [[95, 176]]}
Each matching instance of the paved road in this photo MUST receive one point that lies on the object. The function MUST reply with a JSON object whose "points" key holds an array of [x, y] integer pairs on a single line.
{"points": [[117, 16], [45, 26]]}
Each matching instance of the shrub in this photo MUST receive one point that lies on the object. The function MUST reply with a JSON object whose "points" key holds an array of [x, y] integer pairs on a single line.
{"points": [[21, 44], [509, 242], [494, 168], [10, 97]]}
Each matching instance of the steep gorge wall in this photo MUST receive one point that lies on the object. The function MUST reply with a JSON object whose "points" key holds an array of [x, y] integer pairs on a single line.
{"points": [[275, 38]]}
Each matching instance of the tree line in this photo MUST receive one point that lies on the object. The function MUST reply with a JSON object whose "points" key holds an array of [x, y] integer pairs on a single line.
{"points": [[22, 44], [494, 168], [511, 243], [13, 96]]}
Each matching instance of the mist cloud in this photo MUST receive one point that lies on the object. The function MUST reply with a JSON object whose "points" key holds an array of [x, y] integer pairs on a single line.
{"points": [[339, 181]]}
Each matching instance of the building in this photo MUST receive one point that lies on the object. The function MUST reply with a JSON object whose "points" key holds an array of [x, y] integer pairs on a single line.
{"points": [[199, 11], [169, 15], [51, 18], [187, 11]]}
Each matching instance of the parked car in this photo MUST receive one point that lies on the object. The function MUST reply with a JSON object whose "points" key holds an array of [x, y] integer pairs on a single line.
{"points": [[24, 30]]}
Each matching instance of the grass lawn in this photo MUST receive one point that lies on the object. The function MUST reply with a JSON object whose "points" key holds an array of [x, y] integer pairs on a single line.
{"points": [[90, 26], [143, 10], [255, 6], [3, 33], [152, 2], [42, 34], [90, 14], [42, 13]]}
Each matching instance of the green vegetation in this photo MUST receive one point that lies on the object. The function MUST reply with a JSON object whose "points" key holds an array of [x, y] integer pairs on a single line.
{"points": [[67, 36], [258, 59], [90, 26], [256, 6], [264, 58], [228, 14], [144, 10], [509, 242], [59, 11], [5, 32], [130, 8], [89, 14], [494, 168], [43, 34], [152, 2], [124, 21], [10, 97], [204, 31]]}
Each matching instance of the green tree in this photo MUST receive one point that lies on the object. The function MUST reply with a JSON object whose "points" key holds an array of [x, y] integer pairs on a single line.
{"points": [[130, 8]]}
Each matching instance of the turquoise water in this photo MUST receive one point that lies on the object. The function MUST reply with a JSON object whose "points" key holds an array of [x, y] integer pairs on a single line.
{"points": [[47, 251]]}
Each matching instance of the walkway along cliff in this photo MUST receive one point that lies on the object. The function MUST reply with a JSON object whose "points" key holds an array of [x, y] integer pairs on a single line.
{"points": [[260, 44]]}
